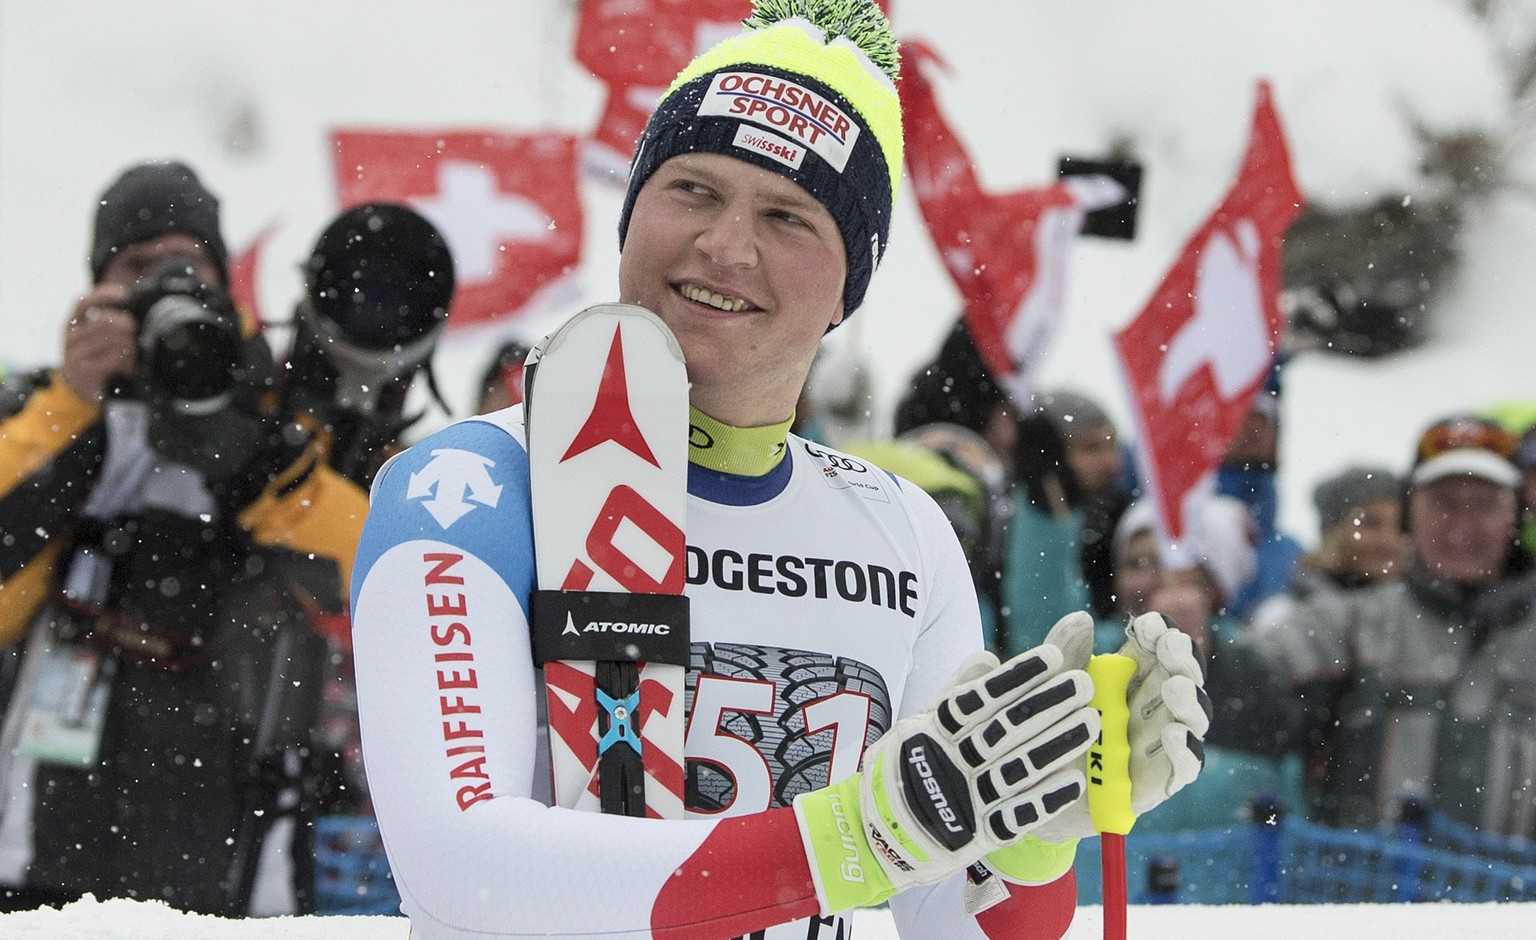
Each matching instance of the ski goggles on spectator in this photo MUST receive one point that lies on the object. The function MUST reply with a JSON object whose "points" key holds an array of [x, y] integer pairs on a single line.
{"points": [[1466, 433]]}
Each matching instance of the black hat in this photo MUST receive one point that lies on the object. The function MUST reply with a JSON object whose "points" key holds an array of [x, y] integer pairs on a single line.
{"points": [[154, 199], [1070, 412], [382, 274], [954, 388]]}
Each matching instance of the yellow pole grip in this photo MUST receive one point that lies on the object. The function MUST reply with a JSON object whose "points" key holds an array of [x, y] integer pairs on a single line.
{"points": [[1109, 758]]}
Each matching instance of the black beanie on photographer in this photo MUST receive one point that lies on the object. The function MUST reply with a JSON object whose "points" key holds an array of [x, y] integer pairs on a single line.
{"points": [[154, 199]]}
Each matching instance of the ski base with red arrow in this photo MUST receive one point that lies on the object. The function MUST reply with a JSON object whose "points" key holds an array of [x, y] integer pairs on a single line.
{"points": [[607, 423]]}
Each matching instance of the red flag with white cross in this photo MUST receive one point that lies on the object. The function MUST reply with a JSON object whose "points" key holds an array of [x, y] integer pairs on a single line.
{"points": [[1007, 252], [636, 48], [1205, 342], [508, 205]]}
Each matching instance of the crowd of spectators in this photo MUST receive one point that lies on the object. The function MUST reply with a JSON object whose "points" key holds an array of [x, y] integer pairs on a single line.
{"points": [[1392, 663], [181, 496]]}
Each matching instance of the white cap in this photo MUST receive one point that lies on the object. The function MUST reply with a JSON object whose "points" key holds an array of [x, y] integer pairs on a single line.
{"points": [[1467, 461], [1219, 537]]}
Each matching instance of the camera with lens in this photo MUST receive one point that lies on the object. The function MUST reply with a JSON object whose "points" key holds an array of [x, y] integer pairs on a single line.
{"points": [[196, 374], [191, 350]]}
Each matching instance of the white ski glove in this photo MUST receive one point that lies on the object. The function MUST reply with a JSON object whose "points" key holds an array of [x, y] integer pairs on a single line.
{"points": [[1000, 753], [1170, 714]]}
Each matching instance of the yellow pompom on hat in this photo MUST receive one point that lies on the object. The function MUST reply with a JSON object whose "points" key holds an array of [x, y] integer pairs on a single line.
{"points": [[808, 91]]}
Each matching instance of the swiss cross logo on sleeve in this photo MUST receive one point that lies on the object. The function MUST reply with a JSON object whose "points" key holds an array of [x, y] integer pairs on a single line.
{"points": [[507, 204]]}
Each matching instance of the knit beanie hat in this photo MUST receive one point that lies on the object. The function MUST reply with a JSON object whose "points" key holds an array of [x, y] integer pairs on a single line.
{"points": [[1351, 489], [1070, 412], [807, 91], [154, 199], [953, 388]]}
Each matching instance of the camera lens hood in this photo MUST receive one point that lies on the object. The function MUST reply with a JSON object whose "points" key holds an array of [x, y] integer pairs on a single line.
{"points": [[382, 275]]}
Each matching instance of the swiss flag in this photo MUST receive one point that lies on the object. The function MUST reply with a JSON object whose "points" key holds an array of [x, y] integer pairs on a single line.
{"points": [[636, 48], [1006, 252], [507, 204], [1204, 344]]}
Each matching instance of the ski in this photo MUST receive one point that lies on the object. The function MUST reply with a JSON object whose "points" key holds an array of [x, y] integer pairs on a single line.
{"points": [[607, 422]]}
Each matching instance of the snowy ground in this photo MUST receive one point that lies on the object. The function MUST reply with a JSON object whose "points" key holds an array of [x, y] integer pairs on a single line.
{"points": [[129, 920]]}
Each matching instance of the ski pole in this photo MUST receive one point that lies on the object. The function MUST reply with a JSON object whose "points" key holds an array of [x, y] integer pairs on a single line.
{"points": [[1109, 781]]}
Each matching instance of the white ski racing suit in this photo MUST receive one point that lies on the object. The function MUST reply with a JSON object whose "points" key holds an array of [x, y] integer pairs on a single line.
{"points": [[828, 599]]}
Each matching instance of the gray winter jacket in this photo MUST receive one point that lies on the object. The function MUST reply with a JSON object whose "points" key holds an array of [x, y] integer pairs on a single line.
{"points": [[1418, 688]]}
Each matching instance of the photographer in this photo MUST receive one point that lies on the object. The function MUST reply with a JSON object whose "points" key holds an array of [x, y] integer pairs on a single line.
{"points": [[162, 533]]}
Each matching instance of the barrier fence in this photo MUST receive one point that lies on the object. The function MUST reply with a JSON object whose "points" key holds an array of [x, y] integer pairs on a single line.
{"points": [[351, 873], [1427, 857]]}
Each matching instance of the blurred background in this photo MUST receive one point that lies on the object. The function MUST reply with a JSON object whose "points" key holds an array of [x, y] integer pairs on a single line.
{"points": [[1409, 123]]}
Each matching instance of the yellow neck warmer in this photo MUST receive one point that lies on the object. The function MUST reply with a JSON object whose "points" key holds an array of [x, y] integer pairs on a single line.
{"points": [[748, 452]]}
